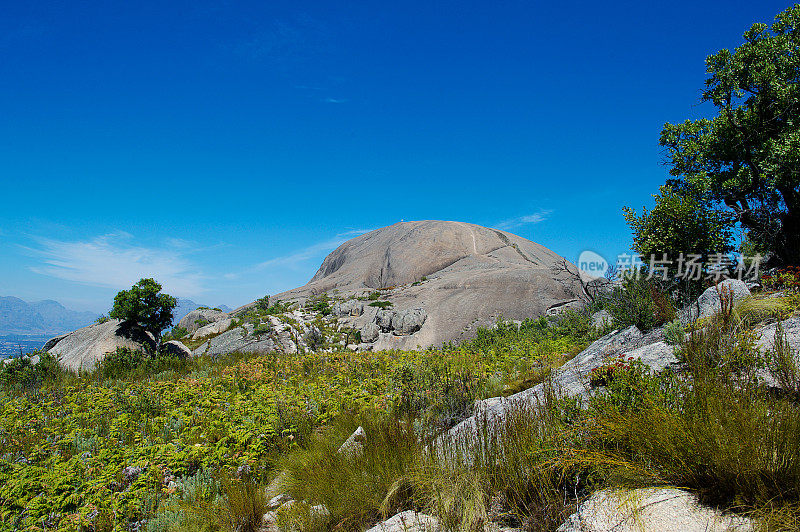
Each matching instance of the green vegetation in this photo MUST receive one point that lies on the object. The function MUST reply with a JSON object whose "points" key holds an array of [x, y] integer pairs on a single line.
{"points": [[745, 158], [66, 440], [382, 304], [639, 301], [191, 444]]}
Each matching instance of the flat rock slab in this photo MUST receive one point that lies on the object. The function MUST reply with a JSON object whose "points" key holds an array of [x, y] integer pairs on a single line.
{"points": [[650, 510]]}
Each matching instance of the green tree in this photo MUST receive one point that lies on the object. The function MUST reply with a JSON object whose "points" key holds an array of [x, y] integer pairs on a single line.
{"points": [[747, 157], [680, 222], [144, 305]]}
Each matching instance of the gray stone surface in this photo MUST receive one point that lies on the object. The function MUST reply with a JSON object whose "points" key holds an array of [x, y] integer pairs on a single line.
{"points": [[354, 445], [350, 307], [651, 510], [212, 328], [791, 330], [174, 347], [408, 321], [408, 521], [709, 302], [602, 320], [239, 339], [82, 349], [473, 276], [370, 332], [189, 322]]}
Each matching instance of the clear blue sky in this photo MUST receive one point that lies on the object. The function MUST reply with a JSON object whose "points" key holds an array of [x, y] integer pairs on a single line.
{"points": [[226, 147]]}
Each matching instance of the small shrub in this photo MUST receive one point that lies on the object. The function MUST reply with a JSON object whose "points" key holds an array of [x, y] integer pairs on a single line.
{"points": [[176, 333], [352, 486], [262, 328], [640, 302], [101, 319], [782, 363], [783, 279], [382, 304], [674, 333], [243, 506], [262, 303], [22, 374], [319, 304]]}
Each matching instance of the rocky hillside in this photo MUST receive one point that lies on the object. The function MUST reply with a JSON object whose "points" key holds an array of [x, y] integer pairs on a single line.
{"points": [[410, 285], [417, 284]]}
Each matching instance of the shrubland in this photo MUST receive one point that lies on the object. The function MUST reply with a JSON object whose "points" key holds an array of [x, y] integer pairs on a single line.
{"points": [[157, 443], [144, 437]]}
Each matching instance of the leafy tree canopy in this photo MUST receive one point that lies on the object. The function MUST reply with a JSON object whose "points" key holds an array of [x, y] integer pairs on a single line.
{"points": [[146, 306], [679, 223], [747, 158]]}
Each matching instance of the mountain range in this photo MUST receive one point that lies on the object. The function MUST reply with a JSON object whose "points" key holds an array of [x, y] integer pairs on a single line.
{"points": [[48, 317]]}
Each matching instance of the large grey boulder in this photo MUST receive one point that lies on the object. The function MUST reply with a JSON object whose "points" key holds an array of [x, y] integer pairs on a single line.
{"points": [[408, 321], [82, 349], [408, 521], [709, 302], [211, 329], [239, 339], [176, 348], [199, 318], [791, 331], [651, 510], [350, 307], [370, 332], [465, 276], [766, 342]]}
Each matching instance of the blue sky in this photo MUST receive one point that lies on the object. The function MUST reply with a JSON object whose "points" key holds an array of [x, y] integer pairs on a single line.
{"points": [[225, 148]]}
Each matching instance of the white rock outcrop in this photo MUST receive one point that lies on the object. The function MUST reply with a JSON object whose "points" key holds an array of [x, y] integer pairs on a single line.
{"points": [[650, 510]]}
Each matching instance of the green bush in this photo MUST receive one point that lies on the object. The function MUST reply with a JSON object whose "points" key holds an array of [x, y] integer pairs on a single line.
{"points": [[22, 374], [674, 333], [640, 302], [125, 363]]}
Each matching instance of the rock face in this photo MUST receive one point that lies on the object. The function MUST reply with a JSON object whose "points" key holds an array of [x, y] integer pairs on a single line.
{"points": [[174, 347], [215, 327], [442, 279], [82, 349], [199, 318], [653, 510], [709, 302]]}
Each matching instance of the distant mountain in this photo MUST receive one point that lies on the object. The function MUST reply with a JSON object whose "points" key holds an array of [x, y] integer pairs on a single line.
{"points": [[40, 317], [185, 306], [18, 317]]}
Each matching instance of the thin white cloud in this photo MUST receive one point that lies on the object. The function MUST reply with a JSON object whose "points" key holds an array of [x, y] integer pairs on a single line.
{"points": [[334, 100], [534, 218], [113, 260], [310, 252]]}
